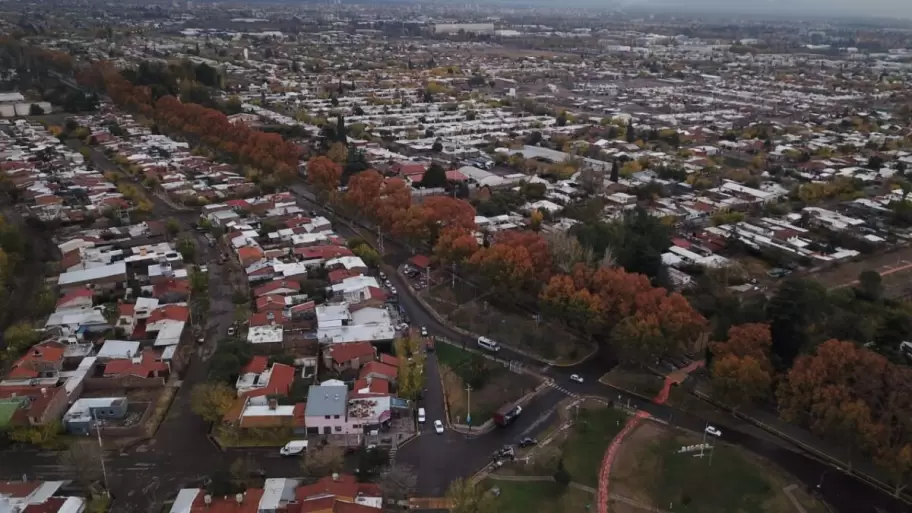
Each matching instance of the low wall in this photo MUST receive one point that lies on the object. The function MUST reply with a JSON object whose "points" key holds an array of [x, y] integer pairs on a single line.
{"points": [[122, 382]]}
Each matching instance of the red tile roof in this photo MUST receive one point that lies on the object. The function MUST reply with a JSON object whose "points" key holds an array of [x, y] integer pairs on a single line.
{"points": [[41, 357], [344, 485], [324, 252], [258, 364], [229, 504], [263, 319], [171, 286], [382, 369], [18, 489], [339, 275], [377, 293], [420, 261], [149, 365], [173, 312], [376, 386], [272, 302], [51, 505], [389, 359], [126, 309], [76, 294], [273, 286], [250, 254], [280, 380], [342, 353]]}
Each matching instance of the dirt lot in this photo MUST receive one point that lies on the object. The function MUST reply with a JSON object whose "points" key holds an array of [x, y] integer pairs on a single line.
{"points": [[650, 470], [895, 264]]}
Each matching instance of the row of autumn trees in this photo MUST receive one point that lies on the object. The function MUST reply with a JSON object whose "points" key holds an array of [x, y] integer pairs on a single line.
{"points": [[604, 303], [849, 395], [269, 153]]}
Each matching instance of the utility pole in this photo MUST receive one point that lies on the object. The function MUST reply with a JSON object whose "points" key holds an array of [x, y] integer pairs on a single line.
{"points": [[453, 283], [703, 443], [104, 472], [380, 242], [469, 405]]}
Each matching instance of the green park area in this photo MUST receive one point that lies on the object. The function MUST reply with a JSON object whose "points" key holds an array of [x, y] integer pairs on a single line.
{"points": [[540, 497], [493, 385], [652, 469]]}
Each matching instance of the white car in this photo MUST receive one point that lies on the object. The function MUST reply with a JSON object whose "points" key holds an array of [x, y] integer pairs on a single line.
{"points": [[713, 431], [231, 331], [293, 448], [438, 427], [393, 291], [423, 331], [576, 377]]}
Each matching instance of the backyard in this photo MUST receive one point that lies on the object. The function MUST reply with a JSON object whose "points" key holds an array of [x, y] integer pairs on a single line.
{"points": [[493, 385], [651, 469]]}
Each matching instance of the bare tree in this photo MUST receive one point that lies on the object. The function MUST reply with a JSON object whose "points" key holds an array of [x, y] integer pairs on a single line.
{"points": [[398, 482], [323, 461], [566, 251], [608, 259], [82, 460]]}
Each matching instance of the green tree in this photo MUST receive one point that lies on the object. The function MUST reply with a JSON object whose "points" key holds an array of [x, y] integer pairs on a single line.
{"points": [[561, 476], [172, 226], [797, 315], [434, 177], [369, 255], [19, 337], [211, 400], [636, 241], [870, 285], [187, 248], [44, 435], [35, 110]]}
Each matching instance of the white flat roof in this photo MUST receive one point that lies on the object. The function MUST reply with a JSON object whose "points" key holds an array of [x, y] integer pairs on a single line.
{"points": [[265, 334], [94, 273], [118, 349], [184, 501]]}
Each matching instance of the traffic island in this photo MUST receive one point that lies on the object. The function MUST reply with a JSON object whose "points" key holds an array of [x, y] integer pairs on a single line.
{"points": [[470, 380]]}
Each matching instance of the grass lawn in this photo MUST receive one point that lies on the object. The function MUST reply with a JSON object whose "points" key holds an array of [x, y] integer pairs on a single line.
{"points": [[589, 437], [649, 469], [500, 386], [643, 383], [229, 437], [540, 497]]}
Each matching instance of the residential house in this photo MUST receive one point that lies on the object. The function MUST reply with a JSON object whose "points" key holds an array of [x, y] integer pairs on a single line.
{"points": [[102, 278], [31, 405], [43, 360], [82, 417], [37, 497], [78, 299], [342, 357]]}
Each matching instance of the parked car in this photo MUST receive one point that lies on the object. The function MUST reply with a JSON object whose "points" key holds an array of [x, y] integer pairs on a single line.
{"points": [[293, 448], [231, 331], [424, 331], [422, 415], [438, 427], [527, 442], [576, 377], [710, 430]]}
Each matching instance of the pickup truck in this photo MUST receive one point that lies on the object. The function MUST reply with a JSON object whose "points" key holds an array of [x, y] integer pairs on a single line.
{"points": [[507, 414]]}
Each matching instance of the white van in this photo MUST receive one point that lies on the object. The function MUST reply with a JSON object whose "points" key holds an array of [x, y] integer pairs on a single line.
{"points": [[490, 345], [293, 448], [422, 416]]}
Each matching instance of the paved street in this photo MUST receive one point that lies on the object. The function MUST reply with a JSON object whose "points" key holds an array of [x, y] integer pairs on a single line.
{"points": [[181, 454]]}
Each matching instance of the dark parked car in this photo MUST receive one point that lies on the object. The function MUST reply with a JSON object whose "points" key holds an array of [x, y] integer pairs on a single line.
{"points": [[527, 442]]}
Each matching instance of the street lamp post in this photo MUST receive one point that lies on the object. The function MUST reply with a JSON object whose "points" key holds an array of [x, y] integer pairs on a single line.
{"points": [[469, 405], [104, 472]]}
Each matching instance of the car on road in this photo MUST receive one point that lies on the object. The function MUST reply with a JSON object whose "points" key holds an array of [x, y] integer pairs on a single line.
{"points": [[231, 331], [710, 430], [576, 377], [293, 448], [527, 442], [438, 427], [422, 415], [393, 291], [424, 332], [383, 276]]}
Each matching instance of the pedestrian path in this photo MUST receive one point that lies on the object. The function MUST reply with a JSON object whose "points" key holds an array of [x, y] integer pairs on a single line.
{"points": [[605, 473]]}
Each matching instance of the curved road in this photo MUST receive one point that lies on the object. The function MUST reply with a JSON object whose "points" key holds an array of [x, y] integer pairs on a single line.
{"points": [[442, 458]]}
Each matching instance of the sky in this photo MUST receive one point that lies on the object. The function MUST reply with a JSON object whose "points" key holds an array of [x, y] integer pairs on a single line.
{"points": [[866, 8]]}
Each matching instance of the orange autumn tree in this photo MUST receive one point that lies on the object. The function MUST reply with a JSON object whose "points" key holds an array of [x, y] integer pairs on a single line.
{"points": [[538, 250], [645, 322], [444, 212], [455, 245], [505, 268], [837, 392], [394, 198], [363, 194], [741, 368], [325, 176]]}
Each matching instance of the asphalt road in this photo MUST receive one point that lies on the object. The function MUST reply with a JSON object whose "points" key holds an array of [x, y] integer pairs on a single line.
{"points": [[442, 458]]}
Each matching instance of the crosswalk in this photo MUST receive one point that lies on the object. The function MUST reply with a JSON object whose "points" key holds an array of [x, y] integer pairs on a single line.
{"points": [[563, 390]]}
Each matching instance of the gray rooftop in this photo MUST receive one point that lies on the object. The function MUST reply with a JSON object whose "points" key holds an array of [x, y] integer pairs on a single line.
{"points": [[328, 400]]}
